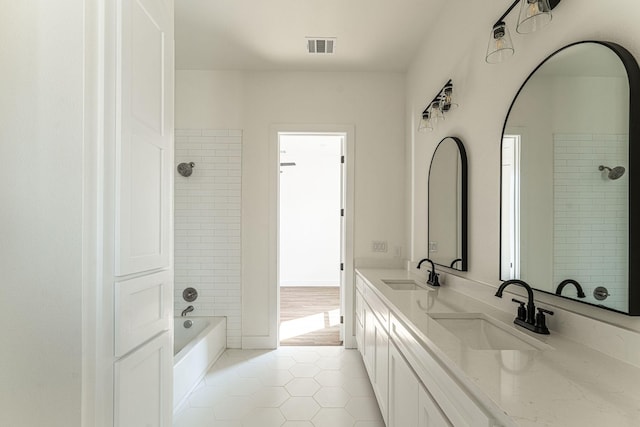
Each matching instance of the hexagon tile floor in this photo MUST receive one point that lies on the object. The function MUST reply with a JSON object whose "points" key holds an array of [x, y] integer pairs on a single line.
{"points": [[288, 387]]}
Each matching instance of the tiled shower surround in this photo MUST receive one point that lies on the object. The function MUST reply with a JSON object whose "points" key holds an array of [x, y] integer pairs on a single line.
{"points": [[591, 214], [207, 225]]}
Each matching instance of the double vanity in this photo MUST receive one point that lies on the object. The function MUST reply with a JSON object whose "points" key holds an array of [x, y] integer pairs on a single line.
{"points": [[437, 357]]}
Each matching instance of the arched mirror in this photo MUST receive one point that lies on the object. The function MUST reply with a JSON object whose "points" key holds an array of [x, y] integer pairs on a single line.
{"points": [[570, 207], [448, 205]]}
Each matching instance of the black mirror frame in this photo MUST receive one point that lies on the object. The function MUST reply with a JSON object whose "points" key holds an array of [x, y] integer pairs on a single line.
{"points": [[633, 75], [464, 257]]}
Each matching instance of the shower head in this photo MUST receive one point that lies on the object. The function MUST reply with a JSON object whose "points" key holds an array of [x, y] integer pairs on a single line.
{"points": [[614, 173], [186, 169]]}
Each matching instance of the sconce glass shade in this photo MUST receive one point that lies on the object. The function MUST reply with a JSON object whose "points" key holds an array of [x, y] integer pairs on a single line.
{"points": [[500, 45], [435, 113], [446, 99], [425, 123], [534, 14]]}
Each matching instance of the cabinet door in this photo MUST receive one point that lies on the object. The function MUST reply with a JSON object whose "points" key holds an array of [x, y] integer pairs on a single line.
{"points": [[376, 358], [430, 414], [143, 386], [382, 369], [143, 309], [403, 392], [359, 320], [144, 135], [368, 354]]}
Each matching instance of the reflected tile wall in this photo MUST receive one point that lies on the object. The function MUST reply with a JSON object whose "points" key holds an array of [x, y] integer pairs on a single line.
{"points": [[591, 215]]}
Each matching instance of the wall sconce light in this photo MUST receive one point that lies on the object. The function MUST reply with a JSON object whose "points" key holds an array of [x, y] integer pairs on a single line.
{"points": [[435, 111], [534, 14]]}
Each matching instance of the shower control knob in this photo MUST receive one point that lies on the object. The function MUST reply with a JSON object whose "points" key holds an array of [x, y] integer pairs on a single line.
{"points": [[190, 294], [601, 293]]}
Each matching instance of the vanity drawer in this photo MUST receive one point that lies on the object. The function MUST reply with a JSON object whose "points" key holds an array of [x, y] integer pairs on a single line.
{"points": [[377, 307], [457, 404], [143, 309]]}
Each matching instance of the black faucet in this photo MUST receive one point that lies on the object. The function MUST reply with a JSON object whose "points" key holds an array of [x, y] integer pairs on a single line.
{"points": [[432, 278], [572, 282], [527, 317]]}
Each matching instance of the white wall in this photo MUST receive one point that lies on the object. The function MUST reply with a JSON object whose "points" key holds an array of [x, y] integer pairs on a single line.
{"points": [[484, 93], [372, 102], [41, 147], [207, 225], [309, 241], [208, 99]]}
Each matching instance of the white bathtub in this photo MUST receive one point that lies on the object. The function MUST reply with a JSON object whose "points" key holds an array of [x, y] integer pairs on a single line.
{"points": [[196, 347]]}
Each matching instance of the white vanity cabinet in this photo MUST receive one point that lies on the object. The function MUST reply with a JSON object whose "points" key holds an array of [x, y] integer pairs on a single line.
{"points": [[412, 387]]}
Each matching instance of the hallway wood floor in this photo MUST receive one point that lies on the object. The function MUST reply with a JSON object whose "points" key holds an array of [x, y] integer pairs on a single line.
{"points": [[310, 316]]}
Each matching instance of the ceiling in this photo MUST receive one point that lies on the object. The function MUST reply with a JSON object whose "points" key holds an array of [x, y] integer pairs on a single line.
{"points": [[372, 35]]}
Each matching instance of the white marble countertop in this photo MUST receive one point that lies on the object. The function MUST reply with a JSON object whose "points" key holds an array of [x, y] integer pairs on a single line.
{"points": [[566, 385]]}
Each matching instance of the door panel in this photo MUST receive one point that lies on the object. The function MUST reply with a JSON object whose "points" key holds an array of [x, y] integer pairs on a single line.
{"points": [[143, 308], [143, 384], [144, 143]]}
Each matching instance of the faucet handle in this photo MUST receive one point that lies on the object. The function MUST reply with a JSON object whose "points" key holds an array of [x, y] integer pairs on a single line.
{"points": [[433, 278], [541, 321], [522, 311]]}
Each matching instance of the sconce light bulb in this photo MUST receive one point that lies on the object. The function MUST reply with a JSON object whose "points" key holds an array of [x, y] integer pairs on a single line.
{"points": [[533, 7], [534, 14]]}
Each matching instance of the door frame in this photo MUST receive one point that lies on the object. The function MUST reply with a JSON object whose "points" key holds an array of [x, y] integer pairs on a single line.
{"points": [[274, 174]]}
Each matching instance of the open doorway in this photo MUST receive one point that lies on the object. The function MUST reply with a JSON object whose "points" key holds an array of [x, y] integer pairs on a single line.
{"points": [[510, 237], [311, 238]]}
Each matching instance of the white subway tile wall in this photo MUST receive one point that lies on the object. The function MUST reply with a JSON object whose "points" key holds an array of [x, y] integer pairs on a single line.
{"points": [[207, 225], [591, 215]]}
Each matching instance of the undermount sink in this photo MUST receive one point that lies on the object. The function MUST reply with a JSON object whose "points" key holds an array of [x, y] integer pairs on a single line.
{"points": [[481, 332], [404, 285]]}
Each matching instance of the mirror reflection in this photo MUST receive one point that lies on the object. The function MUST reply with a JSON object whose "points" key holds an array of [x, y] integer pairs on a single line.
{"points": [[565, 178], [448, 205]]}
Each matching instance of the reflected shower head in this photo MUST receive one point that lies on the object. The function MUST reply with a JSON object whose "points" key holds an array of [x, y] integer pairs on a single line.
{"points": [[614, 173]]}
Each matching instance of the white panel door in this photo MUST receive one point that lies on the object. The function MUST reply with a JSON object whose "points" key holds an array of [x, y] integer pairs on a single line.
{"points": [[144, 127], [403, 391], [143, 385]]}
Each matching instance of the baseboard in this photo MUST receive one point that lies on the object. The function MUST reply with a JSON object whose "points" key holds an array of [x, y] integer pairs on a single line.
{"points": [[259, 343]]}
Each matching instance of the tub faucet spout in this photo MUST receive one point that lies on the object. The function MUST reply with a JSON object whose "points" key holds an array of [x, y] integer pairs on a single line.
{"points": [[187, 310]]}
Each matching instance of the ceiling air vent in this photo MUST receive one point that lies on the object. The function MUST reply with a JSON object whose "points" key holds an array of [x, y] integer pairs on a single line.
{"points": [[321, 45]]}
